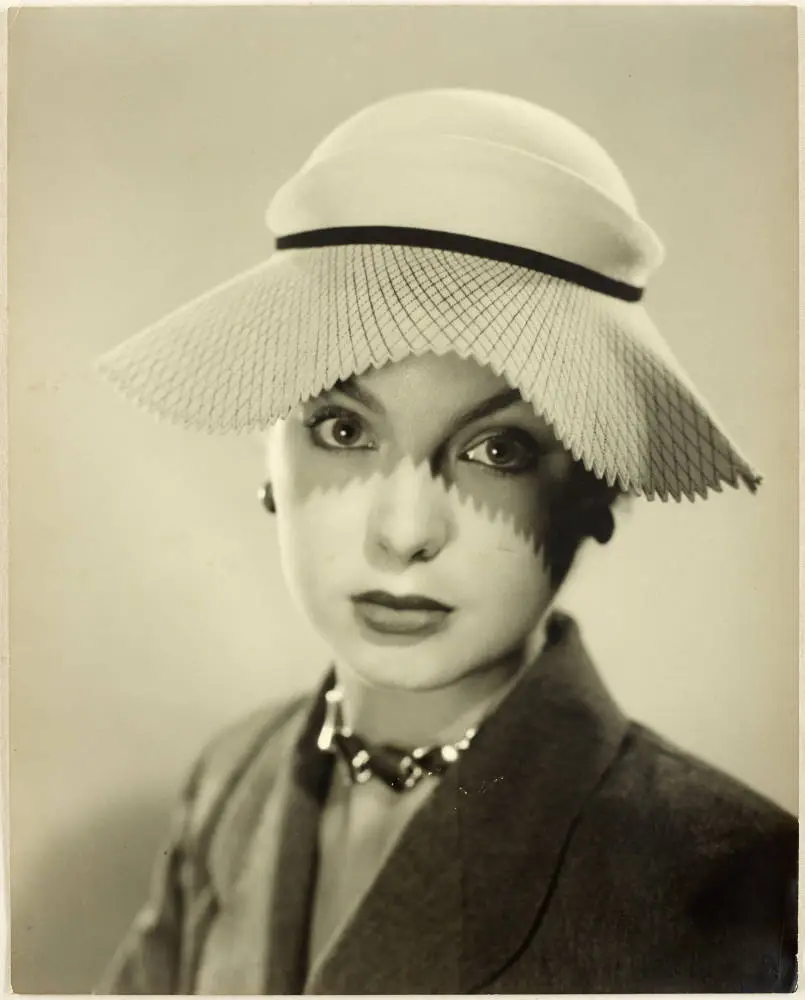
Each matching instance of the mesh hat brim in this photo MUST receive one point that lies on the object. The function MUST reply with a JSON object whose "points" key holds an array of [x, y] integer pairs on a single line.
{"points": [[243, 355]]}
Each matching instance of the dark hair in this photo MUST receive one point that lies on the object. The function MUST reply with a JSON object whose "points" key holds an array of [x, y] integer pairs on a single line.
{"points": [[580, 507]]}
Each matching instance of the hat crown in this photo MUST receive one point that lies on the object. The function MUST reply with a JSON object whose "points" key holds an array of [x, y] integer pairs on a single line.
{"points": [[475, 165], [485, 117]]}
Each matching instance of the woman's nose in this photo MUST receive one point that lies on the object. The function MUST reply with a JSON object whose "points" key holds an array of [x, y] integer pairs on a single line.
{"points": [[410, 520]]}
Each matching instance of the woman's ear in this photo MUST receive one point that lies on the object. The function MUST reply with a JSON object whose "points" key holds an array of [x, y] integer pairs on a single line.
{"points": [[600, 525], [602, 520], [582, 507]]}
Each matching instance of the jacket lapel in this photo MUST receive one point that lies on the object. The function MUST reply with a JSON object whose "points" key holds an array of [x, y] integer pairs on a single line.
{"points": [[406, 935], [471, 876], [261, 869], [295, 869], [533, 767]]}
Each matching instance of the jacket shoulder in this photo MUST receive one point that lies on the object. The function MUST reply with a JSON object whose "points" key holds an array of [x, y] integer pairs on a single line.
{"points": [[703, 856], [704, 800], [228, 759]]}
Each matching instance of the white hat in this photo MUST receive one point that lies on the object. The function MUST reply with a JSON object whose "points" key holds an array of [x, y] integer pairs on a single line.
{"points": [[449, 220]]}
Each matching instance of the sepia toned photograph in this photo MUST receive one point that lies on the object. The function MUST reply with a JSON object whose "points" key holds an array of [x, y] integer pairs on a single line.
{"points": [[403, 423]]}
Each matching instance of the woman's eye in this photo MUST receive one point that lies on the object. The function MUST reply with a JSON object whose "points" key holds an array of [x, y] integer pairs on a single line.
{"points": [[343, 431], [505, 452]]}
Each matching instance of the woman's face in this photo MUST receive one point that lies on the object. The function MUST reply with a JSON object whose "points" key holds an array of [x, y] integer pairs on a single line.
{"points": [[411, 506]]}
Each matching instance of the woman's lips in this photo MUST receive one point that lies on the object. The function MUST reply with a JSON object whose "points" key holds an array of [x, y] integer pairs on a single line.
{"points": [[401, 602], [390, 614]]}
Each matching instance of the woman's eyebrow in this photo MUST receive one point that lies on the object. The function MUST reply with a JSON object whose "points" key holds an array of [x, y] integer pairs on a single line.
{"points": [[500, 401], [351, 388]]}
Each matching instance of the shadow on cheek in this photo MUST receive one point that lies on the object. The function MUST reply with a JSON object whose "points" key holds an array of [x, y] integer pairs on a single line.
{"points": [[511, 508]]}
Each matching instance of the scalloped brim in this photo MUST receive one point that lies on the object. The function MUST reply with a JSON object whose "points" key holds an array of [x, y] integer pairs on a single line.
{"points": [[243, 355]]}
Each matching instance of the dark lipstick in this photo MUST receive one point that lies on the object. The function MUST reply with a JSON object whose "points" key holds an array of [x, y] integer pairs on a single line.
{"points": [[408, 602]]}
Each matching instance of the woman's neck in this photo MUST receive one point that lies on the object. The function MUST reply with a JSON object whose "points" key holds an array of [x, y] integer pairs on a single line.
{"points": [[428, 718]]}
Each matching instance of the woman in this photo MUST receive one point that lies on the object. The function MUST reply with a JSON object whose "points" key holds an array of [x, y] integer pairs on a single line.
{"points": [[460, 385]]}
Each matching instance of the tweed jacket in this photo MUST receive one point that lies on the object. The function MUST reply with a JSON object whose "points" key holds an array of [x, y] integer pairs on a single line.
{"points": [[570, 850]]}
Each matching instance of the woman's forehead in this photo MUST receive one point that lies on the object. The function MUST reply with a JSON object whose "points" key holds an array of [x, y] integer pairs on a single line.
{"points": [[461, 377], [441, 386]]}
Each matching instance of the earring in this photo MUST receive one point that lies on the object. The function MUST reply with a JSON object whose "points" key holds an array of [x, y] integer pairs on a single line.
{"points": [[266, 496]]}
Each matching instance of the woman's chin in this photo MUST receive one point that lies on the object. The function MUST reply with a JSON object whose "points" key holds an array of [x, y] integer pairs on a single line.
{"points": [[404, 677], [411, 666]]}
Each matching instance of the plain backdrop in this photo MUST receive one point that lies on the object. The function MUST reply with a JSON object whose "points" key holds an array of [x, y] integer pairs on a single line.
{"points": [[147, 605]]}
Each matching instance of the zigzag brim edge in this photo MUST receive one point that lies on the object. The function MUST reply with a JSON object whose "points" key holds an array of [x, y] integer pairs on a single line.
{"points": [[241, 356]]}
